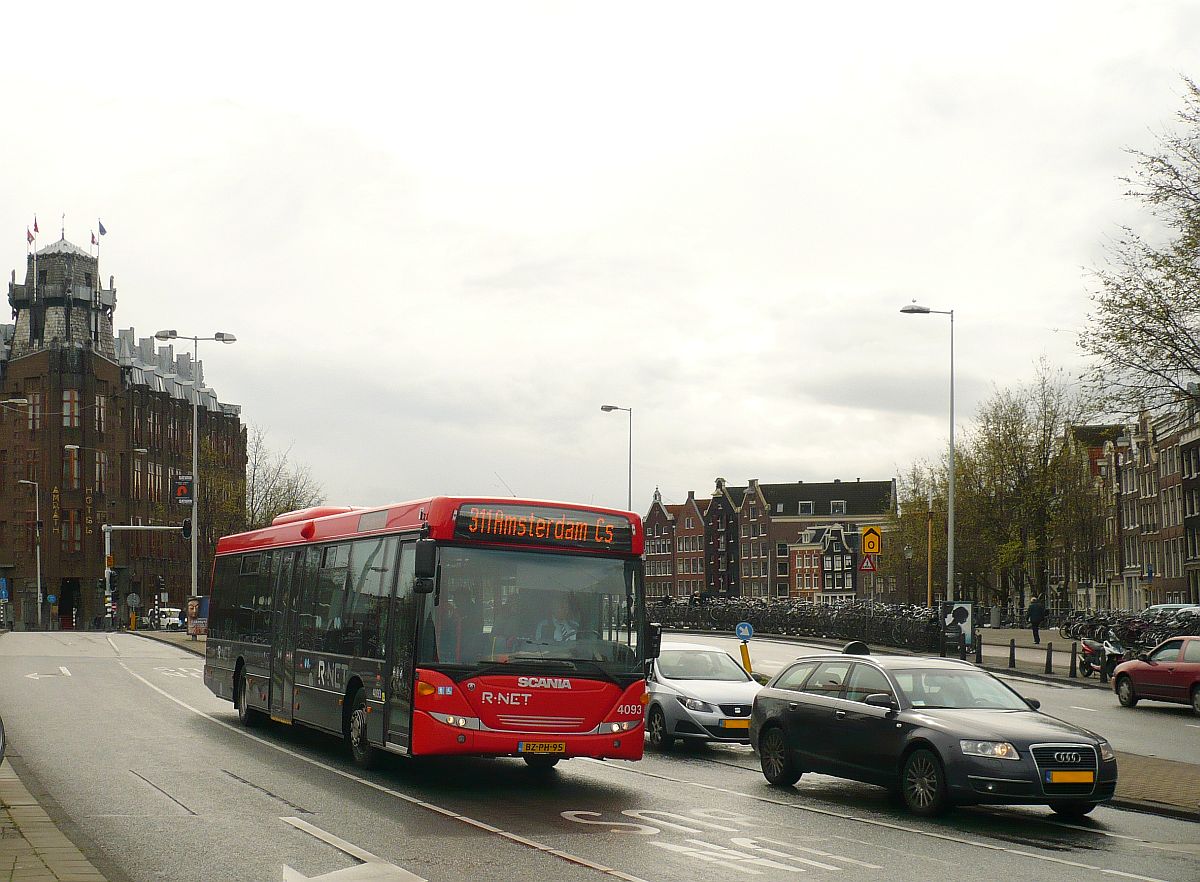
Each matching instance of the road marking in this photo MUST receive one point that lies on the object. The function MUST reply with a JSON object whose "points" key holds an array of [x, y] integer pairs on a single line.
{"points": [[1093, 710], [372, 868], [404, 797], [66, 673], [877, 823], [37, 676], [163, 792], [113, 645]]}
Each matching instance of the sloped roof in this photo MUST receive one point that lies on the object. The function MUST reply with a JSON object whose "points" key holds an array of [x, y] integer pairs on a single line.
{"points": [[62, 246], [1095, 436], [861, 497]]}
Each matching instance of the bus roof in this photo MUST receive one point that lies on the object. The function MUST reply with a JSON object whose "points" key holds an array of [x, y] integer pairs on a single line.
{"points": [[438, 513]]}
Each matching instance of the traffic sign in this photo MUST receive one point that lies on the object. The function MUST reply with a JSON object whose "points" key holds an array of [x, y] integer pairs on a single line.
{"points": [[744, 631], [867, 564], [133, 600], [3, 589], [872, 540], [183, 489], [51, 598], [108, 561]]}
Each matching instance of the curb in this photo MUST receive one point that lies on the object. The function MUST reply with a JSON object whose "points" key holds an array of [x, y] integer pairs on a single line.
{"points": [[186, 647], [1153, 808]]}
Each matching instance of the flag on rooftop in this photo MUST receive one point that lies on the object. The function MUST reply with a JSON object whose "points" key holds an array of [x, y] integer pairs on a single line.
{"points": [[28, 236], [35, 229], [103, 232]]}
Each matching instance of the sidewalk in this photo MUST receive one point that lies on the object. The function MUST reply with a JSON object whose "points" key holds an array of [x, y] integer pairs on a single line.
{"points": [[174, 638], [32, 848]]}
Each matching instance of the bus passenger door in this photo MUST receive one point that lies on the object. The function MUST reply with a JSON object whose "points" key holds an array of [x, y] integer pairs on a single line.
{"points": [[402, 652], [283, 642]]}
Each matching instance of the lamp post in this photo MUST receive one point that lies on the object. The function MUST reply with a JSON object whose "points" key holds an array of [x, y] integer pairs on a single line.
{"points": [[609, 408], [37, 532], [908, 556], [220, 337], [914, 309]]}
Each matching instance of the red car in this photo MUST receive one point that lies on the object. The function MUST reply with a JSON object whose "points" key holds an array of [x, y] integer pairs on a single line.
{"points": [[1169, 672]]}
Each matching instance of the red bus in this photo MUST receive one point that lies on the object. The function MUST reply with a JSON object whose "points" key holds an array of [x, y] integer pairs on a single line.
{"points": [[497, 627]]}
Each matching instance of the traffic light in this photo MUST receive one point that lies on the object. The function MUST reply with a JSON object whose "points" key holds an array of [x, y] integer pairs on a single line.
{"points": [[187, 528]]}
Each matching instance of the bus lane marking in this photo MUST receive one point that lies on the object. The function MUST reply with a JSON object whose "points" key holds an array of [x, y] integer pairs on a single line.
{"points": [[945, 837], [404, 797], [372, 868]]}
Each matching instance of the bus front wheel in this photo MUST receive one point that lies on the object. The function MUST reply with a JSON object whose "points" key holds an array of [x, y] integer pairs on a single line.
{"points": [[365, 756], [541, 761]]}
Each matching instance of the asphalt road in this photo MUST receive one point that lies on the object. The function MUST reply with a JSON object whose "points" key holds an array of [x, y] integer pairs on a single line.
{"points": [[1167, 731], [155, 771]]}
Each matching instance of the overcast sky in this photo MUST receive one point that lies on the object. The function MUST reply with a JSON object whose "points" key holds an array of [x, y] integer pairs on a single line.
{"points": [[445, 234]]}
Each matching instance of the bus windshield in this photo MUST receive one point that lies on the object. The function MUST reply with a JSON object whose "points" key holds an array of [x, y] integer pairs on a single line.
{"points": [[496, 607]]}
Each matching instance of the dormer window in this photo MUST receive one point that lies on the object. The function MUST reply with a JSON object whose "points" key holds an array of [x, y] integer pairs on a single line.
{"points": [[837, 507], [806, 508]]}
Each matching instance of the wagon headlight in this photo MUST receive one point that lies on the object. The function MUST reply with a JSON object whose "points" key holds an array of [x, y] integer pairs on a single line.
{"points": [[989, 749], [695, 704]]}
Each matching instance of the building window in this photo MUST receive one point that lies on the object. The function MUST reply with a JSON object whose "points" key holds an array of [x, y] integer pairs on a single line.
{"points": [[101, 412], [806, 508], [101, 471], [35, 410], [70, 408], [837, 506], [72, 532], [137, 478], [70, 470]]}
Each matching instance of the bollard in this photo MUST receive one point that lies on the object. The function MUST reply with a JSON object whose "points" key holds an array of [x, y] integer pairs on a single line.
{"points": [[942, 645], [1049, 658], [1012, 653], [1103, 667], [1073, 673], [978, 649], [962, 647]]}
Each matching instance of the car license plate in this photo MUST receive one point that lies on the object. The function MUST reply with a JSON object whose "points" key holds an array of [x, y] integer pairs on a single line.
{"points": [[735, 724], [541, 747], [1070, 777]]}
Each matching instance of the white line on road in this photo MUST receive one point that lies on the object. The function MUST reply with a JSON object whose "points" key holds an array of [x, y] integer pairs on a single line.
{"points": [[113, 645], [412, 800], [66, 673], [877, 823], [1094, 710], [385, 871]]}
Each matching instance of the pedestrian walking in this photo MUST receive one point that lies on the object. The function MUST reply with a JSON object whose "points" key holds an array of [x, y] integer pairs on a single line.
{"points": [[1037, 615]]}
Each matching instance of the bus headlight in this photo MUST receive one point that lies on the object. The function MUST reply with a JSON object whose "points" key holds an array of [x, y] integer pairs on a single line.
{"points": [[459, 722]]}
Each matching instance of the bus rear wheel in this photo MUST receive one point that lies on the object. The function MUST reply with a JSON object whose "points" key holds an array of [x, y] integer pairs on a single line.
{"points": [[541, 761], [364, 755], [247, 716]]}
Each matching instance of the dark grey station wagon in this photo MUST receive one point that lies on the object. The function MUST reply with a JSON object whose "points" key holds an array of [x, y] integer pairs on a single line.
{"points": [[937, 731]]}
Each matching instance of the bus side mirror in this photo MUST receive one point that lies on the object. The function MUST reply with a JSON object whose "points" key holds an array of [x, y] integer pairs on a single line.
{"points": [[653, 639], [426, 563]]}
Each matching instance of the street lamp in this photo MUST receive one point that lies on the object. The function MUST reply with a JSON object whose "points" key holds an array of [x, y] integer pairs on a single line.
{"points": [[609, 408], [37, 532], [908, 556], [914, 309], [220, 337]]}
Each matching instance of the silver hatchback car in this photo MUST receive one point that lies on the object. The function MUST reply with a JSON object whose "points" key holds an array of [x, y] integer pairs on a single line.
{"points": [[699, 693]]}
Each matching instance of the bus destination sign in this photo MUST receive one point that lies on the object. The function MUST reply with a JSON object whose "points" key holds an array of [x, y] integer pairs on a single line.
{"points": [[540, 525]]}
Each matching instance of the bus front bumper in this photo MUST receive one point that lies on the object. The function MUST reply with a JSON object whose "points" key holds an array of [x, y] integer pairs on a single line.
{"points": [[431, 737]]}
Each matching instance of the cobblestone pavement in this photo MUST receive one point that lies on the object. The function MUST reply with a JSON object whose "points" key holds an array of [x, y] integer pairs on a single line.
{"points": [[32, 848]]}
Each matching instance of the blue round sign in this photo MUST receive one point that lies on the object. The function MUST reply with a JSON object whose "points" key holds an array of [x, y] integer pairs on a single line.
{"points": [[51, 598], [744, 631]]}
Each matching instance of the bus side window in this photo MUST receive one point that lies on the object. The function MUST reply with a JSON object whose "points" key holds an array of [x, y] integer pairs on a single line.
{"points": [[307, 572]]}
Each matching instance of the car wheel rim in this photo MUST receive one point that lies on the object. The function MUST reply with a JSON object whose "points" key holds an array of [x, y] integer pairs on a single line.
{"points": [[772, 754], [656, 727], [1126, 691], [922, 782]]}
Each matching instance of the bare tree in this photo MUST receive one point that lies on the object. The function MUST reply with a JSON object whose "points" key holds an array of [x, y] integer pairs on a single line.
{"points": [[274, 484], [1144, 330]]}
